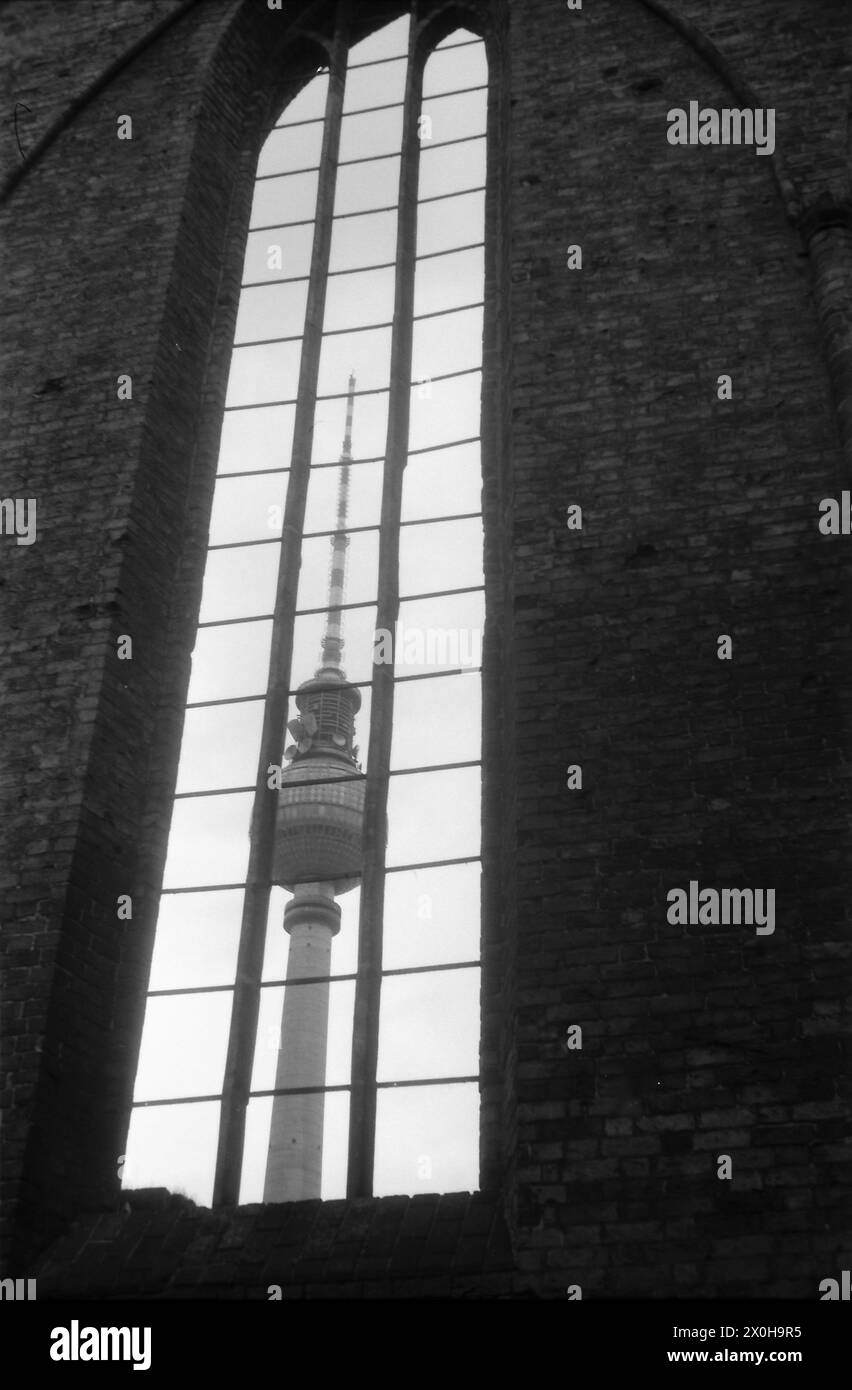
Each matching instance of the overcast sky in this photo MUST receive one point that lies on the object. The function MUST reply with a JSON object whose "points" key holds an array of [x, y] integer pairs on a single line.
{"points": [[427, 1137]]}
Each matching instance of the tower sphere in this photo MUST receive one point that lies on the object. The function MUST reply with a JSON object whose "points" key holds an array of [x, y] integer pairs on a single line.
{"points": [[318, 828]]}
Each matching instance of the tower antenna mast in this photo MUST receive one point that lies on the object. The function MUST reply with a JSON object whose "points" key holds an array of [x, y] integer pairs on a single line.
{"points": [[332, 641]]}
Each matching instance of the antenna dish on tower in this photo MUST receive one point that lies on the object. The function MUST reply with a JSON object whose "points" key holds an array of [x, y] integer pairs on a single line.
{"points": [[303, 728]]}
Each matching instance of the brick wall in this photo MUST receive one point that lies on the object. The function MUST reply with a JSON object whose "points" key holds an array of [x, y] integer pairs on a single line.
{"points": [[699, 519], [163, 1246], [127, 257]]}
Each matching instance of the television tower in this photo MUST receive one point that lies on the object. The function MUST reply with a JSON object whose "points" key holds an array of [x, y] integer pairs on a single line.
{"points": [[317, 856]]}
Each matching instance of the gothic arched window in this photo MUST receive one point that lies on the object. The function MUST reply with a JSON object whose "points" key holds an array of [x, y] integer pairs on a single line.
{"points": [[348, 492]]}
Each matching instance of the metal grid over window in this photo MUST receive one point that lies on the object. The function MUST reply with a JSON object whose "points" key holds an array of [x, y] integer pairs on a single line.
{"points": [[420, 514]]}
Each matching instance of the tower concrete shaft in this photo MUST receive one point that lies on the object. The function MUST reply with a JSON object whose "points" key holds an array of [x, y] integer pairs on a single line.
{"points": [[294, 1161]]}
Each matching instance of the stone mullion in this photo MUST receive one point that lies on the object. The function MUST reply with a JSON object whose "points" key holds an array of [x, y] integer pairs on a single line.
{"points": [[244, 1017], [365, 1026]]}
